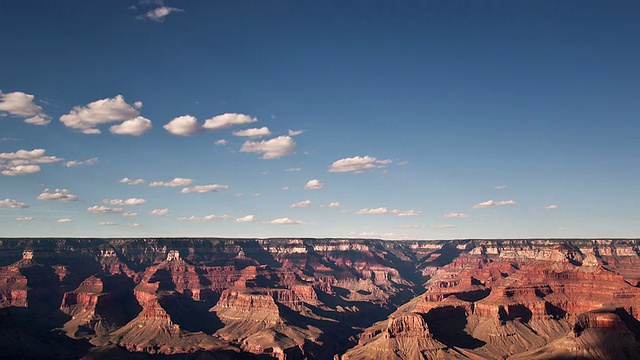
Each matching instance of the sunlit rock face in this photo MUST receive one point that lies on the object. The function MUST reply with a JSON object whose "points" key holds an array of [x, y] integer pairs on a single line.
{"points": [[320, 298]]}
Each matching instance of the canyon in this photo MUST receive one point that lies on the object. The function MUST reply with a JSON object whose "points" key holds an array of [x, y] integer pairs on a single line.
{"points": [[349, 299]]}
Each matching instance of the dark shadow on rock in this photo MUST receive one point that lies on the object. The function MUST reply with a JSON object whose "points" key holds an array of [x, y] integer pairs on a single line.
{"points": [[189, 314], [252, 249], [163, 276], [447, 326]]}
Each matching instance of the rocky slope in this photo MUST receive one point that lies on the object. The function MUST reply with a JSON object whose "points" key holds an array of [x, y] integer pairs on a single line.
{"points": [[319, 298]]}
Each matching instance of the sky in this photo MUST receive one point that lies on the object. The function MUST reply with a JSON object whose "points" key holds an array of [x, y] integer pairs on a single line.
{"points": [[375, 119]]}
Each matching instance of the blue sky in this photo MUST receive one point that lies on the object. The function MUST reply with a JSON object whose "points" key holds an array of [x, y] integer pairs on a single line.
{"points": [[419, 120]]}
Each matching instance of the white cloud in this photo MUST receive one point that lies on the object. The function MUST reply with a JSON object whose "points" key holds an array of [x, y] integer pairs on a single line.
{"points": [[377, 211], [12, 204], [204, 188], [253, 132], [26, 218], [129, 214], [134, 127], [107, 223], [160, 212], [551, 207], [293, 169], [130, 202], [334, 204], [409, 213], [248, 218], [314, 184], [227, 120], [284, 221], [205, 218], [500, 187], [110, 110], [301, 204], [221, 142], [295, 132], [65, 220], [354, 164], [490, 203], [99, 209], [384, 162], [61, 195], [441, 227], [137, 104], [135, 225], [176, 182], [75, 163], [23, 162], [20, 170], [131, 181], [39, 120], [185, 125], [453, 215], [158, 14], [21, 105], [271, 149]]}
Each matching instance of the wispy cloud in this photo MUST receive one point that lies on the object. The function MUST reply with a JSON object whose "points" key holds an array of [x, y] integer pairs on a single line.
{"points": [[76, 163], [551, 206], [176, 182], [284, 221], [204, 188], [499, 187], [295, 132], [205, 218], [490, 203], [384, 210], [159, 14], [301, 204], [160, 212], [253, 132], [26, 218], [65, 220], [131, 181], [453, 215], [130, 202], [334, 204]]}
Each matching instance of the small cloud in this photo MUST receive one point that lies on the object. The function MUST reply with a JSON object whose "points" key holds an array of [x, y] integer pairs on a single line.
{"points": [[24, 162], [286, 188], [135, 225], [20, 104], [65, 220], [158, 14], [253, 132], [490, 203], [499, 187], [409, 213], [86, 119], [61, 195], [227, 120], [295, 132], [401, 163], [75, 163], [384, 162], [441, 227], [204, 188], [185, 125], [26, 218], [137, 104], [160, 212], [107, 223], [376, 211], [134, 127], [551, 207], [130, 202], [334, 204], [176, 182], [131, 181], [301, 204], [99, 209], [205, 218], [314, 184], [248, 218], [453, 215], [284, 221], [293, 169], [12, 204], [271, 149], [221, 142], [354, 164], [129, 214]]}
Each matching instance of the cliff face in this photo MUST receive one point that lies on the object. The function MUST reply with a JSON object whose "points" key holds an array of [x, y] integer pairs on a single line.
{"points": [[322, 298]]}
